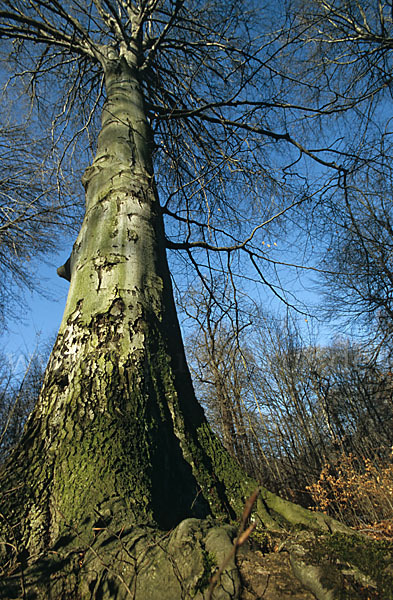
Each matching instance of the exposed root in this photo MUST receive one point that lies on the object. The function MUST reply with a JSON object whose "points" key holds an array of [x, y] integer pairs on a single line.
{"points": [[135, 564]]}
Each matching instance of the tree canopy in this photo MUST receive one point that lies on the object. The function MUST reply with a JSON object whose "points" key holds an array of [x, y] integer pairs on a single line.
{"points": [[223, 129], [252, 112]]}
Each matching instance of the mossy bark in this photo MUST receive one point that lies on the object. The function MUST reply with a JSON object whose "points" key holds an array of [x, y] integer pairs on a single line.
{"points": [[117, 439], [115, 431]]}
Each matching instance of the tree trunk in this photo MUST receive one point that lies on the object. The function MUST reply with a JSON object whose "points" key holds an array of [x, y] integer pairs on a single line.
{"points": [[117, 441], [116, 427]]}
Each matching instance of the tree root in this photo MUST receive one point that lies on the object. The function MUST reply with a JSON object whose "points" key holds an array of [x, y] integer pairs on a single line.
{"points": [[136, 564], [196, 560]]}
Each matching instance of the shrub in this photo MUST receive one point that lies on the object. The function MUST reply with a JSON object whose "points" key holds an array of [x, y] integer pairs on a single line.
{"points": [[358, 491]]}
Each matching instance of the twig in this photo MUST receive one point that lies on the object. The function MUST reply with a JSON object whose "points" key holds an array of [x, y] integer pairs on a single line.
{"points": [[242, 536]]}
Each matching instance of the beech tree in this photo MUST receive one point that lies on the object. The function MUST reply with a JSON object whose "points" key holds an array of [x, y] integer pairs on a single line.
{"points": [[117, 451]]}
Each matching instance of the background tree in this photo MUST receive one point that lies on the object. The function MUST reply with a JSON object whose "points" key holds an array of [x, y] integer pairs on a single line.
{"points": [[20, 388], [221, 367], [35, 211], [361, 256], [344, 53]]}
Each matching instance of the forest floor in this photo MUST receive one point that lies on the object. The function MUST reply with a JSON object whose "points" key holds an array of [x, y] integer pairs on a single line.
{"points": [[269, 577], [347, 567]]}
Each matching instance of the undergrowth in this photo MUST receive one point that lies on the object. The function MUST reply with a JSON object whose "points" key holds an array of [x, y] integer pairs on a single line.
{"points": [[357, 491]]}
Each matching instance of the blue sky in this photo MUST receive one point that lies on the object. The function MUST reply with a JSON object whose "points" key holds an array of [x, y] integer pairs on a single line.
{"points": [[41, 316]]}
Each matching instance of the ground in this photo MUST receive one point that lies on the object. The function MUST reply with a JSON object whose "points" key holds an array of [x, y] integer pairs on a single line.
{"points": [[335, 567], [269, 577]]}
